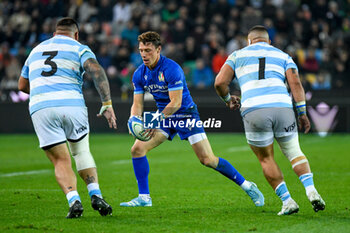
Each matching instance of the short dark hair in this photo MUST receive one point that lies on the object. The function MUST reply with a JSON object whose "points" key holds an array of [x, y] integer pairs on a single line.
{"points": [[66, 23], [150, 37], [258, 28]]}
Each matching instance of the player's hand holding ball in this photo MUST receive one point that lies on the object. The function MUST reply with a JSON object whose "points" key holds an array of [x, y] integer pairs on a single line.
{"points": [[135, 125]]}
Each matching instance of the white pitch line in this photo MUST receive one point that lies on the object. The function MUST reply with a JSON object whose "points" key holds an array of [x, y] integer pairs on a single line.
{"points": [[238, 148], [123, 161], [30, 190], [24, 173]]}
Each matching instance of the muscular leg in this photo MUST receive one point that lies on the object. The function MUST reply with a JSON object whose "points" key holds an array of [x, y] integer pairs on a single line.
{"points": [[141, 169], [87, 170], [59, 156], [205, 153], [206, 156], [270, 168], [291, 149]]}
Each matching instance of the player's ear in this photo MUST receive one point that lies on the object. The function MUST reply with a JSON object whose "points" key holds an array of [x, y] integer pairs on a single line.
{"points": [[76, 35], [249, 41], [159, 48]]}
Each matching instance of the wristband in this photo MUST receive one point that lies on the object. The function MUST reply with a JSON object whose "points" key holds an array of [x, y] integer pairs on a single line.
{"points": [[105, 105], [109, 102], [226, 98], [301, 108]]}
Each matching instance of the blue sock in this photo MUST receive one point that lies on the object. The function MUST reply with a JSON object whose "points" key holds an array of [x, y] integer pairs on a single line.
{"points": [[141, 169], [307, 179], [308, 182], [225, 168], [282, 191]]}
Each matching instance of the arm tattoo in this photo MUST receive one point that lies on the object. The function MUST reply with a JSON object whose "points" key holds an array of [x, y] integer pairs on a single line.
{"points": [[70, 187], [90, 179], [294, 71], [94, 70]]}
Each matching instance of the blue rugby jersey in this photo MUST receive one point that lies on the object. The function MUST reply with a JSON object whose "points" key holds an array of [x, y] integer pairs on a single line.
{"points": [[55, 72], [260, 70], [166, 76]]}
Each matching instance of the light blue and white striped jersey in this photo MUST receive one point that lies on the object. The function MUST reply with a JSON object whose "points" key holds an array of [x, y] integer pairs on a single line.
{"points": [[55, 72], [260, 70]]}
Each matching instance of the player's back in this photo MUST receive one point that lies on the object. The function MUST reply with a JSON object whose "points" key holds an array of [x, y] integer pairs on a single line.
{"points": [[54, 69], [260, 70]]}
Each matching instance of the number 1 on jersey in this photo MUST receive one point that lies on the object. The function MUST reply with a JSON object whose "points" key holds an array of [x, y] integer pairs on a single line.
{"points": [[262, 67]]}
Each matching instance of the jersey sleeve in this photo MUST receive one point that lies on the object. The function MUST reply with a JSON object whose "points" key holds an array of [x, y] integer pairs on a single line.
{"points": [[85, 53], [290, 63], [231, 61], [175, 78], [137, 83], [25, 70]]}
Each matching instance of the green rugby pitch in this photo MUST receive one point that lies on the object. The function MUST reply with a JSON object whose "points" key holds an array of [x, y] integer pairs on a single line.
{"points": [[187, 197]]}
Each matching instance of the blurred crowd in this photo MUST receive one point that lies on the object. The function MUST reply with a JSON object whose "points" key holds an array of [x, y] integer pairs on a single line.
{"points": [[199, 35]]}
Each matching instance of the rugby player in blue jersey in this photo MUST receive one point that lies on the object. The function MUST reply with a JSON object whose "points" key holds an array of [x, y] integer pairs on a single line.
{"points": [[165, 80], [53, 76], [267, 111]]}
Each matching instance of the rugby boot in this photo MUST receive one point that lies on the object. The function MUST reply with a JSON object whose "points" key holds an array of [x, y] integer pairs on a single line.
{"points": [[255, 194], [137, 202], [290, 208], [316, 201], [76, 210], [101, 205]]}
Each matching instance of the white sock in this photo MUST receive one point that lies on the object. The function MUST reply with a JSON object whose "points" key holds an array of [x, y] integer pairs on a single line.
{"points": [[246, 185], [286, 201], [72, 197], [145, 196], [94, 189], [309, 189]]}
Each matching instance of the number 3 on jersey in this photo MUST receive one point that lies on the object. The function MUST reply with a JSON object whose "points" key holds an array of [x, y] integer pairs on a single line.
{"points": [[262, 67], [49, 62]]}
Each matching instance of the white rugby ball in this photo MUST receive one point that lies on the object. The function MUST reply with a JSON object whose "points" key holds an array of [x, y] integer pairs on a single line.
{"points": [[135, 125]]}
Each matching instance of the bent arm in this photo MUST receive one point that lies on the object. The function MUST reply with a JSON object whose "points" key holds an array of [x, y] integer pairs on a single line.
{"points": [[23, 85], [295, 85], [174, 104], [94, 70], [137, 106], [223, 80]]}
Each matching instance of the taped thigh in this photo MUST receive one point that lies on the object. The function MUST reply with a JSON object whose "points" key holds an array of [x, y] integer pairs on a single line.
{"points": [[291, 149], [81, 153]]}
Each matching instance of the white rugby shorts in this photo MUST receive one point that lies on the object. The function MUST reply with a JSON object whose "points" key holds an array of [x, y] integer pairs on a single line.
{"points": [[262, 125], [57, 124]]}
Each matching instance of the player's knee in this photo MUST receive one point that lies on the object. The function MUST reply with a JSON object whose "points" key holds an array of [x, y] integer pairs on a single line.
{"points": [[81, 154], [207, 161], [138, 150], [291, 149]]}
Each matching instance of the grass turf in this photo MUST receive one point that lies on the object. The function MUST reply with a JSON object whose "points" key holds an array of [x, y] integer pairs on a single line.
{"points": [[187, 197]]}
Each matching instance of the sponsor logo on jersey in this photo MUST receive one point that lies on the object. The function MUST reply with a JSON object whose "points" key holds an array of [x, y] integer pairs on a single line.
{"points": [[290, 128], [81, 129]]}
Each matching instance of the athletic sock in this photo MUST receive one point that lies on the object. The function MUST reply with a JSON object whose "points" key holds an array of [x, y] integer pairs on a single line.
{"points": [[141, 170], [145, 197], [94, 189], [308, 182], [283, 193], [225, 168], [72, 197]]}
